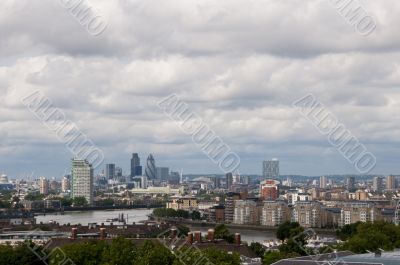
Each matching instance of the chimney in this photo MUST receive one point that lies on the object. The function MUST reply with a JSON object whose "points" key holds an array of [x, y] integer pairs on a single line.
{"points": [[103, 234], [197, 236], [210, 235], [237, 239], [190, 238], [74, 233], [102, 225], [174, 232]]}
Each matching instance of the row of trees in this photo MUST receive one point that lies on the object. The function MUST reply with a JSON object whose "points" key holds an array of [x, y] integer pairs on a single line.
{"points": [[120, 251], [364, 237], [164, 212]]}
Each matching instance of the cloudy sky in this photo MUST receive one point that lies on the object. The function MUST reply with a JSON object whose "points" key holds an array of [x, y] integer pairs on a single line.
{"points": [[239, 64]]}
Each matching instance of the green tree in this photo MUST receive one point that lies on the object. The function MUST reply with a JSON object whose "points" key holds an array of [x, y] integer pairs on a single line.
{"points": [[80, 201], [222, 232], [195, 215], [258, 249]]}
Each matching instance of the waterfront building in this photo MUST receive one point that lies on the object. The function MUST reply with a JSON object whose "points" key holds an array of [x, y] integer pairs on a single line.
{"points": [[353, 212], [309, 214], [275, 213], [82, 180], [183, 203], [246, 212], [230, 199], [217, 214], [65, 184], [271, 169]]}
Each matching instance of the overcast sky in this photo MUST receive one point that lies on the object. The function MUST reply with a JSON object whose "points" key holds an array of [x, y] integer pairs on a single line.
{"points": [[238, 63]]}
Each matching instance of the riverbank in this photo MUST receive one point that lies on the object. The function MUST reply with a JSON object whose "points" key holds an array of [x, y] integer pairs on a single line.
{"points": [[98, 208], [203, 224]]}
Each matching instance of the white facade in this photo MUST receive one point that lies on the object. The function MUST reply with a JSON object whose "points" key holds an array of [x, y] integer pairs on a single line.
{"points": [[82, 180]]}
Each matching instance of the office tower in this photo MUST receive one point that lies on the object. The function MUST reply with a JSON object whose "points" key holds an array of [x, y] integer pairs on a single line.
{"points": [[271, 169], [162, 173], [136, 168], [390, 182], [228, 180], [269, 189], [82, 180], [110, 171], [43, 186], [322, 182], [65, 184], [118, 172], [377, 184], [150, 170], [351, 183]]}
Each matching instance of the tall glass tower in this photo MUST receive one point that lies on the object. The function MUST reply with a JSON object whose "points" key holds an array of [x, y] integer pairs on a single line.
{"points": [[151, 171], [136, 169]]}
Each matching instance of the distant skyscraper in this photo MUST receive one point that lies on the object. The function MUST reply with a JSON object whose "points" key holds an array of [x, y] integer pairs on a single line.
{"points": [[150, 170], [110, 171], [228, 180], [322, 182], [43, 186], [65, 184], [351, 183], [377, 184], [162, 173], [136, 168], [82, 180], [390, 182], [271, 169]]}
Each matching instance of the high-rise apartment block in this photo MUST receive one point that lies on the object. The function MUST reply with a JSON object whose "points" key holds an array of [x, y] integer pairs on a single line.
{"points": [[271, 169], [377, 184], [43, 186], [390, 183], [82, 180]]}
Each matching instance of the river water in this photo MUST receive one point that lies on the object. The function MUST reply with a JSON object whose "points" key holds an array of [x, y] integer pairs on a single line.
{"points": [[136, 215]]}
